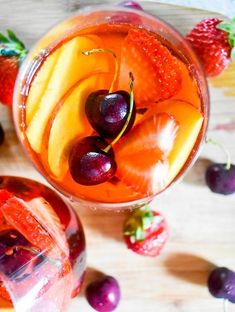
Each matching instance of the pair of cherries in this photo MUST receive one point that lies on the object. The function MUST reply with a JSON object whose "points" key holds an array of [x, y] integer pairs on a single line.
{"points": [[111, 115]]}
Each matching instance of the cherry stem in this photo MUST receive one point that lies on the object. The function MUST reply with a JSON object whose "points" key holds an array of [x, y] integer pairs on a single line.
{"points": [[228, 156], [106, 149], [87, 53]]}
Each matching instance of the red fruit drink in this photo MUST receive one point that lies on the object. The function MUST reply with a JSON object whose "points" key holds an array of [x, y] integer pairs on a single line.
{"points": [[42, 247], [59, 98]]}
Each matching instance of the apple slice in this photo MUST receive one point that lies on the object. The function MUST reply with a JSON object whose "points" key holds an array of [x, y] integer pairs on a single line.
{"points": [[190, 122], [70, 67], [71, 122]]}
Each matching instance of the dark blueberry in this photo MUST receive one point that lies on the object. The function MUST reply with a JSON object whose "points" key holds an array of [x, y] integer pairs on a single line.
{"points": [[221, 180], [89, 164], [108, 112], [103, 294], [221, 283], [2, 135]]}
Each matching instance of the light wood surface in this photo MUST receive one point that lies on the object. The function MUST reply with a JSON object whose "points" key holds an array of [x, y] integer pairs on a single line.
{"points": [[202, 223]]}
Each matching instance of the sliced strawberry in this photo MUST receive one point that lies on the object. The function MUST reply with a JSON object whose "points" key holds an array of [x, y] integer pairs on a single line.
{"points": [[146, 232], [141, 154], [157, 72]]}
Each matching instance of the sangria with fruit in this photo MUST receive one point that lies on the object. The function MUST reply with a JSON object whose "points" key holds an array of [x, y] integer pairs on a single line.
{"points": [[111, 106], [42, 247]]}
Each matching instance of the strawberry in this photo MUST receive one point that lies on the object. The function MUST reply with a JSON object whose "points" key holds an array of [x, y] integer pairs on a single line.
{"points": [[142, 154], [12, 52], [146, 232], [214, 42], [157, 72]]}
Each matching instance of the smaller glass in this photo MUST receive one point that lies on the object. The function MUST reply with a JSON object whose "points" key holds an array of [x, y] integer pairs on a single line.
{"points": [[56, 79], [42, 248]]}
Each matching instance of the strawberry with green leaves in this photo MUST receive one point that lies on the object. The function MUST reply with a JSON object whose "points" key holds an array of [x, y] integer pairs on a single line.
{"points": [[214, 42], [12, 52], [146, 232]]}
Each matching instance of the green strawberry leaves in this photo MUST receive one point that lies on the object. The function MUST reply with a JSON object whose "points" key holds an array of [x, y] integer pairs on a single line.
{"points": [[11, 45], [141, 220], [229, 27]]}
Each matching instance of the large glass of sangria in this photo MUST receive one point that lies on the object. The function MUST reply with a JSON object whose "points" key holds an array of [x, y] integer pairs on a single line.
{"points": [[42, 248], [111, 106]]}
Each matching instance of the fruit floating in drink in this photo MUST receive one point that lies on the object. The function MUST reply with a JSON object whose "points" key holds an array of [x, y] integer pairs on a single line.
{"points": [[42, 247], [109, 108]]}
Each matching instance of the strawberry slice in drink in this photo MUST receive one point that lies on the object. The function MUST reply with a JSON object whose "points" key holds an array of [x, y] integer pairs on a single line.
{"points": [[142, 154], [157, 72]]}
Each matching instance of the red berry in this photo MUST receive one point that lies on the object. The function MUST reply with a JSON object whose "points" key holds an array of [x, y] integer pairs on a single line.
{"points": [[12, 51], [212, 44], [141, 154], [8, 73], [146, 232], [157, 72]]}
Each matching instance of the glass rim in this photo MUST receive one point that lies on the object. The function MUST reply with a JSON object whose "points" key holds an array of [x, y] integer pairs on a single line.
{"points": [[88, 9]]}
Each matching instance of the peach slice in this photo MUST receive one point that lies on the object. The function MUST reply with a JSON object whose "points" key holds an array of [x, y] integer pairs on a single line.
{"points": [[189, 89], [40, 84], [190, 122], [71, 122], [70, 67]]}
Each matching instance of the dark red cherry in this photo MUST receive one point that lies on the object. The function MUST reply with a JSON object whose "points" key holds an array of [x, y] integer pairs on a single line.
{"points": [[17, 258], [104, 294], [221, 283], [221, 180], [89, 164], [108, 112]]}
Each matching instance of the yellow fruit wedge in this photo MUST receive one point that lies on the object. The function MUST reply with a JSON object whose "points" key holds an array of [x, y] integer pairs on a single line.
{"points": [[190, 122], [40, 84], [71, 122], [70, 67]]}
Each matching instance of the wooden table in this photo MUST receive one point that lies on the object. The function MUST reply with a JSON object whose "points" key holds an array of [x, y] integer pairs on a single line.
{"points": [[202, 223]]}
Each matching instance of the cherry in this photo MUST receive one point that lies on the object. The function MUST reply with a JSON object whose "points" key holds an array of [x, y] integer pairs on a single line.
{"points": [[17, 257], [221, 283], [89, 164], [220, 179], [103, 294], [108, 112], [1, 135]]}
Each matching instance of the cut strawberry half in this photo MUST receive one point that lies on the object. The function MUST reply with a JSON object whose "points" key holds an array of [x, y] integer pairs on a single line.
{"points": [[142, 154], [157, 72]]}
